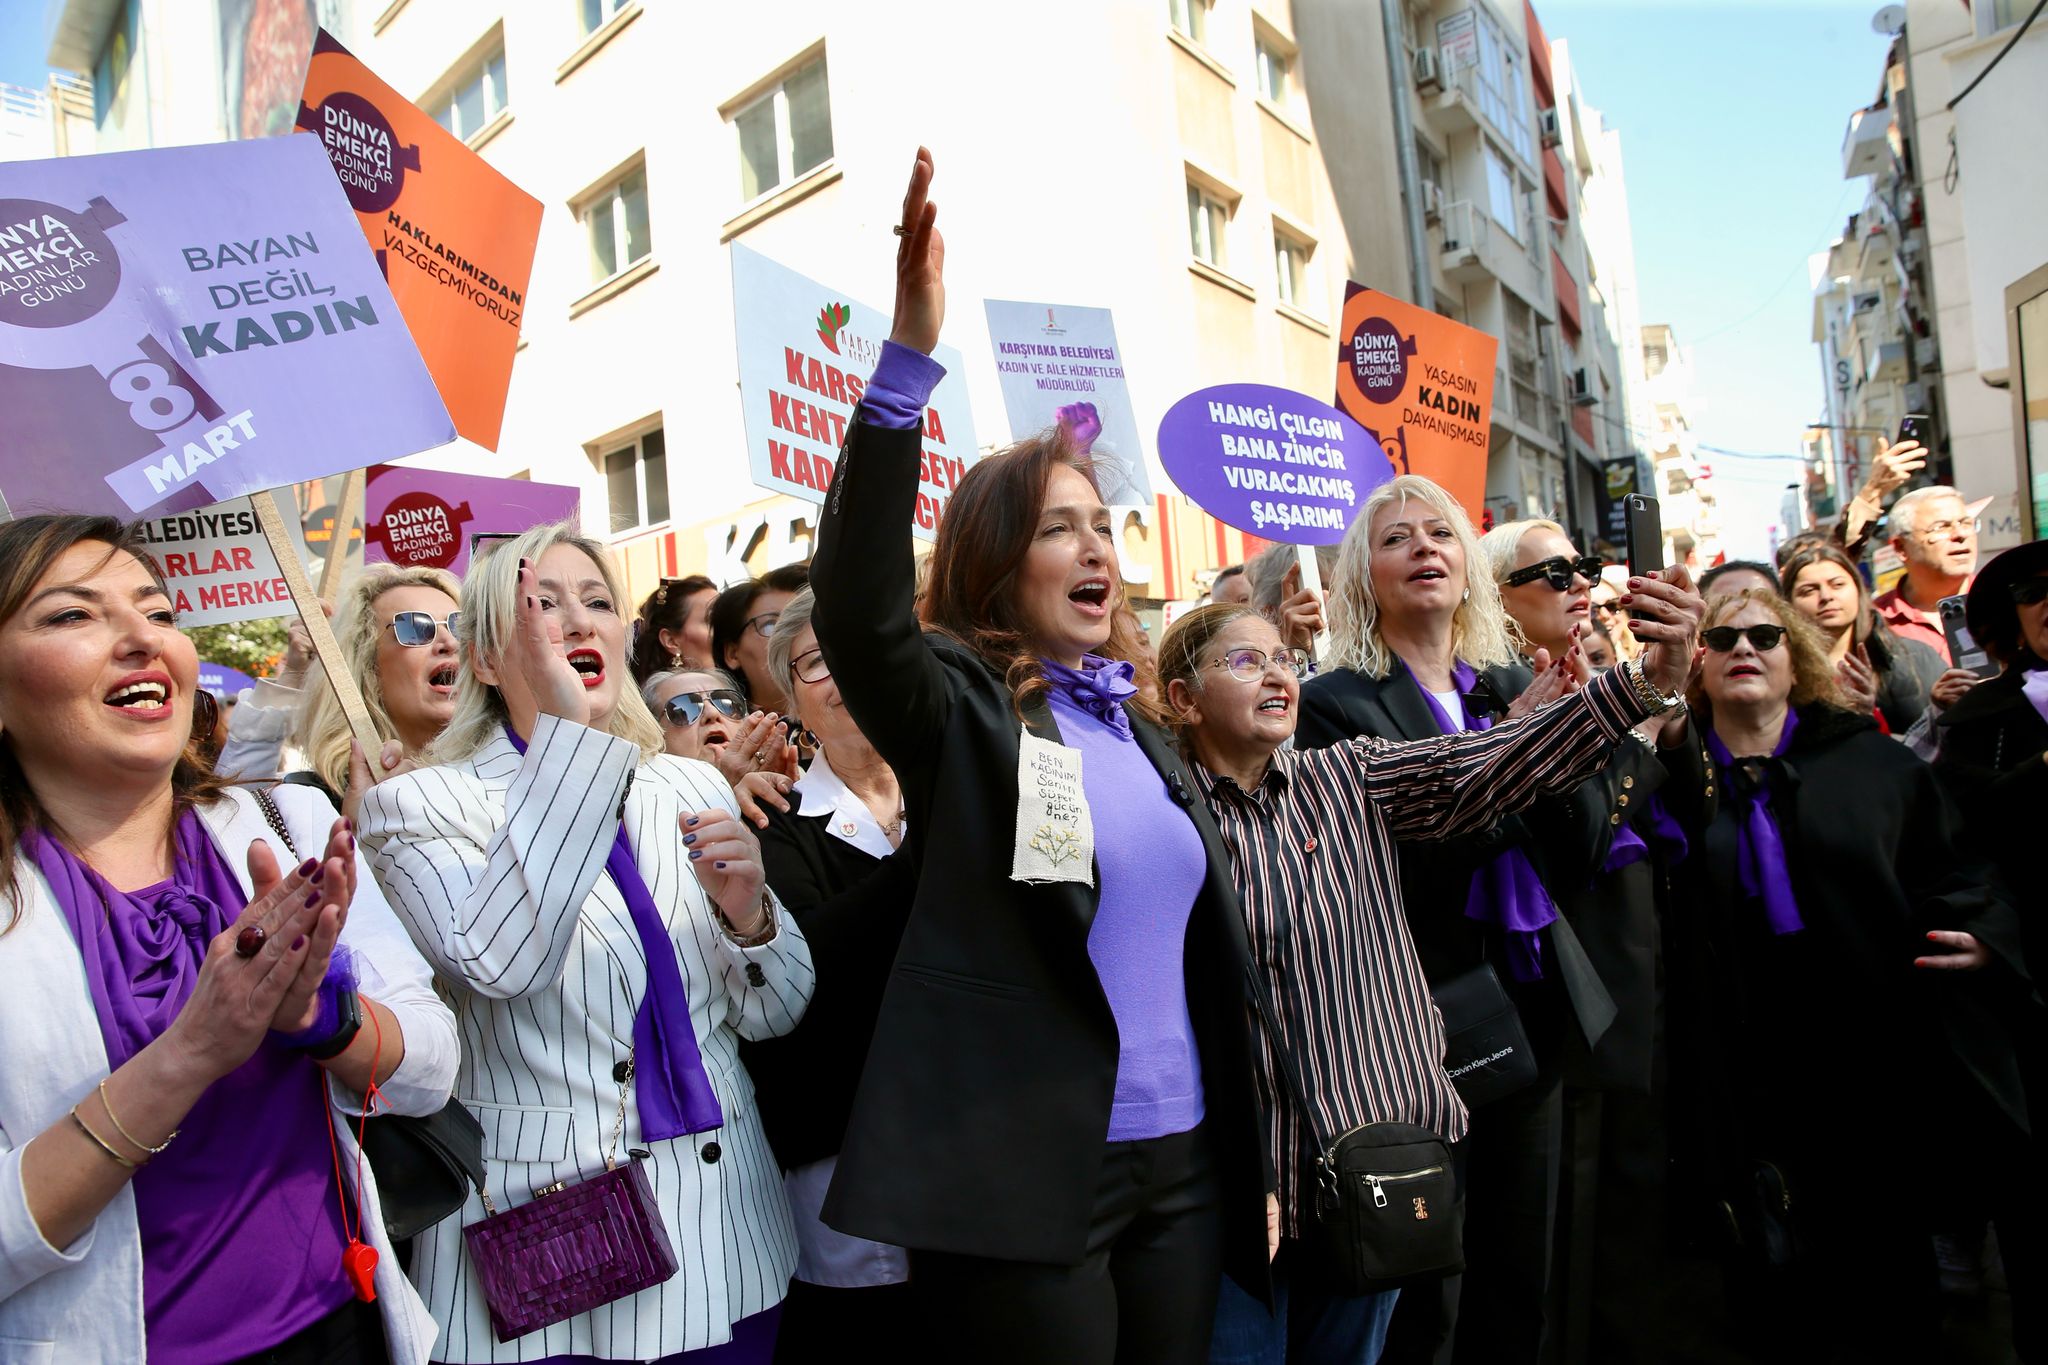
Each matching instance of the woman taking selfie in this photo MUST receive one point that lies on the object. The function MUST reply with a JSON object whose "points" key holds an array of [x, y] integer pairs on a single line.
{"points": [[1057, 1115], [1844, 977], [188, 1028], [595, 909], [1310, 835]]}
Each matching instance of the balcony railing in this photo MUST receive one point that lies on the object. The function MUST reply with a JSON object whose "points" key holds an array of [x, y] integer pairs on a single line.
{"points": [[1866, 146], [1469, 251]]}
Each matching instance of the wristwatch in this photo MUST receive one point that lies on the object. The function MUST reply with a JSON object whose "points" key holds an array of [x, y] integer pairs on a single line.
{"points": [[349, 1022], [1646, 691]]}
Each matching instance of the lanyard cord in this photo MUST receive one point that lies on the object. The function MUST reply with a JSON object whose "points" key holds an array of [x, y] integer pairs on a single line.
{"points": [[372, 1098]]}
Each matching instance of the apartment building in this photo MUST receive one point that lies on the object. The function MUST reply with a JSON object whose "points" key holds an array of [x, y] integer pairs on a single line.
{"points": [[1682, 482], [53, 121], [1911, 312]]}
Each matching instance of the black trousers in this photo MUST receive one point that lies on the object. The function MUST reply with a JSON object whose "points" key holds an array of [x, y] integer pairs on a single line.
{"points": [[1508, 1176], [352, 1334], [1144, 1294], [821, 1325]]}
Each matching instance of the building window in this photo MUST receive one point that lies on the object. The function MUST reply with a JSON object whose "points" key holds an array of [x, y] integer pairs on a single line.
{"points": [[597, 13], [1290, 265], [1208, 226], [786, 132], [615, 224], [1501, 199], [475, 97], [1502, 95], [1275, 70], [1190, 18], [636, 482]]}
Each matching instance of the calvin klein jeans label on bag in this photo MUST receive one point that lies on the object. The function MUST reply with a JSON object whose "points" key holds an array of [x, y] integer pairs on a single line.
{"points": [[1055, 832]]}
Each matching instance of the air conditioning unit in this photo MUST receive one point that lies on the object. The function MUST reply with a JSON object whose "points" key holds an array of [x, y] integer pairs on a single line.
{"points": [[1582, 390], [1547, 122], [1429, 76], [1927, 353], [1432, 202]]}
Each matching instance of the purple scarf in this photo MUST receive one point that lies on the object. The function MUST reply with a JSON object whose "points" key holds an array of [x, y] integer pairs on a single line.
{"points": [[1759, 847], [1100, 687], [1506, 892], [2034, 687], [668, 1072]]}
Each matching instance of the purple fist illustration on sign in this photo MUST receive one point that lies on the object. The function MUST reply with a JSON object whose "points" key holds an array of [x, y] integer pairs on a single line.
{"points": [[367, 158], [1082, 423], [1379, 358]]}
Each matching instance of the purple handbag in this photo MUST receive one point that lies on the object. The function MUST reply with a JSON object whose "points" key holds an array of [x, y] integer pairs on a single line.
{"points": [[573, 1247]]}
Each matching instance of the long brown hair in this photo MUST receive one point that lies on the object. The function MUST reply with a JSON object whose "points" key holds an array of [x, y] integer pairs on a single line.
{"points": [[990, 523], [29, 548]]}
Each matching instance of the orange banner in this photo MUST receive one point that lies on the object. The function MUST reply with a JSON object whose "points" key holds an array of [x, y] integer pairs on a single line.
{"points": [[454, 236], [1422, 385]]}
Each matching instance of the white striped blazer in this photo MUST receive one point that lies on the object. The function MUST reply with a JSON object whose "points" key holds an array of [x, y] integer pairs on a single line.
{"points": [[495, 864]]}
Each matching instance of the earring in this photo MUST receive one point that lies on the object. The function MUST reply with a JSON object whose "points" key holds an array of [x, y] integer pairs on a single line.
{"points": [[675, 661], [1468, 595]]}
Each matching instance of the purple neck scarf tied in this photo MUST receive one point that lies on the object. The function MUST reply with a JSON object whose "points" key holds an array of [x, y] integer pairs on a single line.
{"points": [[1099, 686], [674, 1095], [2034, 687], [1759, 847], [1506, 891]]}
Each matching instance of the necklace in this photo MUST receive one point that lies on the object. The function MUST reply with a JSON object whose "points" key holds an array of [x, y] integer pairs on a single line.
{"points": [[893, 831]]}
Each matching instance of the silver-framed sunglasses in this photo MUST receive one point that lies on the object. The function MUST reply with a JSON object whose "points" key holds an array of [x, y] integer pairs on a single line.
{"points": [[685, 709], [416, 628]]}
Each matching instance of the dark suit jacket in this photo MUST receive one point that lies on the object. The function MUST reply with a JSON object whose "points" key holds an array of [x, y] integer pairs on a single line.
{"points": [[1564, 838], [981, 1120], [852, 907], [1990, 764]]}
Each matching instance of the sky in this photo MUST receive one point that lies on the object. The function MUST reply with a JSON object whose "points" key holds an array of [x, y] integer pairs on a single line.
{"points": [[1731, 117]]}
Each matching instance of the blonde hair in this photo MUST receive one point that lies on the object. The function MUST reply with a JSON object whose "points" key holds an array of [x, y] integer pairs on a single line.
{"points": [[1502, 546], [1813, 677], [490, 594], [1480, 631], [322, 733]]}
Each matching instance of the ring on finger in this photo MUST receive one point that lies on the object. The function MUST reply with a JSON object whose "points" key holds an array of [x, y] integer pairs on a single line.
{"points": [[250, 941]]}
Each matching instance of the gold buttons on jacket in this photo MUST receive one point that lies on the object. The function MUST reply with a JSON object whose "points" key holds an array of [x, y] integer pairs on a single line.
{"points": [[1627, 781]]}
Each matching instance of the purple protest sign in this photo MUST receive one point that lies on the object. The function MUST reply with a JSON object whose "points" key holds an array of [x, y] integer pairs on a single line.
{"points": [[1270, 461], [424, 517], [184, 325]]}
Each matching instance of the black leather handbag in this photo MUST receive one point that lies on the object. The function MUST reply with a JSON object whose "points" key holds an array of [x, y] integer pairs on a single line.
{"points": [[1387, 1211], [1486, 1053]]}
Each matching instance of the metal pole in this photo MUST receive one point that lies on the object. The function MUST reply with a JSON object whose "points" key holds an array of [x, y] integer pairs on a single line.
{"points": [[1400, 78]]}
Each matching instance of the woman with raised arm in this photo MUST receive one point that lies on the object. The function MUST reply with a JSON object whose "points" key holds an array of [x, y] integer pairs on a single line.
{"points": [[1057, 1116], [187, 1034], [1311, 837], [595, 910]]}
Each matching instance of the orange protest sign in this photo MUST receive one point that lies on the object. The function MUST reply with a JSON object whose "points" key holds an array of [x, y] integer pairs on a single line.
{"points": [[454, 236], [1422, 385]]}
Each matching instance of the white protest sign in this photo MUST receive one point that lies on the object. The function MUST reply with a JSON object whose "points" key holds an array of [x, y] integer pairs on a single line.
{"points": [[1060, 365], [217, 565]]}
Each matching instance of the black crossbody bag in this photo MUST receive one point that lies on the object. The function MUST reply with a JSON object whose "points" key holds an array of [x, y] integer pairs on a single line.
{"points": [[1386, 1209]]}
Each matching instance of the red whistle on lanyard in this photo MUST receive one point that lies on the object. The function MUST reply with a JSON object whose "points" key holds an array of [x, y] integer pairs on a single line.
{"points": [[359, 1263]]}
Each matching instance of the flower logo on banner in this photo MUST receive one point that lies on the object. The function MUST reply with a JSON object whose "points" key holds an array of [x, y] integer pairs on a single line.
{"points": [[831, 318]]}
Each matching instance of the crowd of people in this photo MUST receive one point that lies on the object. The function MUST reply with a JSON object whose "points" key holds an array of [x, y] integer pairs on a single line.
{"points": [[1488, 959]]}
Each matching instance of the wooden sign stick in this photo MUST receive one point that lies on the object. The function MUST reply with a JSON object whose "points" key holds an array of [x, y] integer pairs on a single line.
{"points": [[325, 647], [344, 526]]}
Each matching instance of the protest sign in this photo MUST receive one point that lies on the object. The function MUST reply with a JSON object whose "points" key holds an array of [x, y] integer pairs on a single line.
{"points": [[425, 517], [454, 236], [185, 325], [1617, 481], [1271, 462], [217, 565], [805, 354], [1422, 385], [1061, 365]]}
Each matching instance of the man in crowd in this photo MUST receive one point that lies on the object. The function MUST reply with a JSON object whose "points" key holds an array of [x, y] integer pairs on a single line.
{"points": [[1231, 585], [1936, 535]]}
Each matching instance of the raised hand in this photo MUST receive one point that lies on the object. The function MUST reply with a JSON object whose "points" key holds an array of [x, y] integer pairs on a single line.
{"points": [[1951, 686], [1858, 680], [757, 792], [920, 264], [726, 857], [1894, 465], [1301, 619], [1553, 679], [752, 749], [1668, 625], [537, 654], [333, 887], [391, 761]]}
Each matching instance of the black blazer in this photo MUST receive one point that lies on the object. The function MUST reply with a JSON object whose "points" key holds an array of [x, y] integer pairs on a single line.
{"points": [[980, 1123], [1565, 839], [1990, 765], [852, 907]]}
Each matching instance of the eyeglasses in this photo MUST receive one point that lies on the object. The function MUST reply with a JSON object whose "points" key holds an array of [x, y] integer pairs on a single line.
{"points": [[685, 709], [810, 666], [1721, 639], [1249, 665], [416, 628], [762, 625], [1941, 530], [1559, 570], [2028, 591]]}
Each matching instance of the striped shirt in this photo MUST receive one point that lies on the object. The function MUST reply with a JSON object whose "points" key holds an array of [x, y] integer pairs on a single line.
{"points": [[1312, 850]]}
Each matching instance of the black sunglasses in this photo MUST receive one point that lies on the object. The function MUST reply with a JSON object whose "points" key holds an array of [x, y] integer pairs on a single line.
{"points": [[416, 628], [2028, 591], [1559, 569], [1721, 639], [685, 709]]}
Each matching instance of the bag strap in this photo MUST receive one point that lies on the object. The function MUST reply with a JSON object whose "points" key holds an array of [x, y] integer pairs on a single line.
{"points": [[1289, 1070], [276, 818]]}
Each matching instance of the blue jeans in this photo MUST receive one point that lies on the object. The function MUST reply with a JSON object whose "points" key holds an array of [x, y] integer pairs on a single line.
{"points": [[1309, 1325]]}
